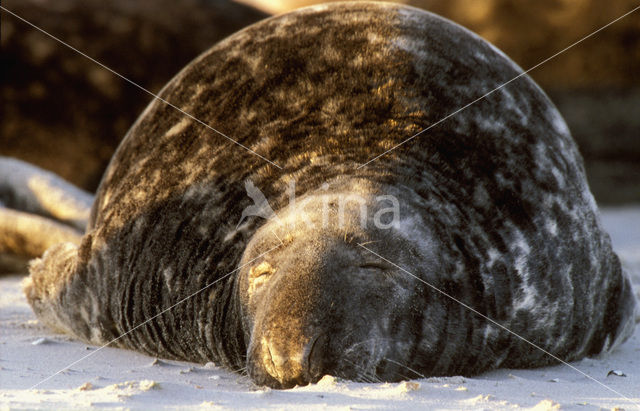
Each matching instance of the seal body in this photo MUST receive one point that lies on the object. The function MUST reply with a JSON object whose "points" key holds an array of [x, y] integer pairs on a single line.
{"points": [[490, 207]]}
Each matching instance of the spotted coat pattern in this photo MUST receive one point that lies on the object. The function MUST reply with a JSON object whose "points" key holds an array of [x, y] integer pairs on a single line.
{"points": [[319, 92]]}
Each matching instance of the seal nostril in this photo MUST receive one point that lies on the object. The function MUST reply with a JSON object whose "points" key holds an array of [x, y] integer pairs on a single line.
{"points": [[261, 367], [269, 365], [315, 357]]}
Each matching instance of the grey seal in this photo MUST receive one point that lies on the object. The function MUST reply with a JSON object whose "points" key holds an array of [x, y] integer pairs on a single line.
{"points": [[491, 207]]}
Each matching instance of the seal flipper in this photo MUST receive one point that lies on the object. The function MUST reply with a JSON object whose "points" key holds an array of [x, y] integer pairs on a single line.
{"points": [[45, 286], [60, 298], [623, 309]]}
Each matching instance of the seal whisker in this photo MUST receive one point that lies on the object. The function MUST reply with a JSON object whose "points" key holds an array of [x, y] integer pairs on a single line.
{"points": [[241, 370], [355, 345], [369, 242], [367, 375], [405, 366], [368, 340]]}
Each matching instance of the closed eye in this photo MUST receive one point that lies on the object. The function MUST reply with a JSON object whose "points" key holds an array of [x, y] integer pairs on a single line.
{"points": [[380, 268], [261, 270], [261, 273], [258, 276], [375, 266]]}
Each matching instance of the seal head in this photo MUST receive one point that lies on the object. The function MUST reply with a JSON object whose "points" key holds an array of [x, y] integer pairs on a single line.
{"points": [[321, 304]]}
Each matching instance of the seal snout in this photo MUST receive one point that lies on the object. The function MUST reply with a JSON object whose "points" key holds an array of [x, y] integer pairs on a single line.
{"points": [[280, 363]]}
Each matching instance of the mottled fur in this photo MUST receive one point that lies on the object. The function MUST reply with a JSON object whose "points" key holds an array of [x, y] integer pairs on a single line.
{"points": [[495, 206]]}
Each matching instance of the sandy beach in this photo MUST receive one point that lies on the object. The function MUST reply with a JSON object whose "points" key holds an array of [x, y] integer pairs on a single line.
{"points": [[110, 378]]}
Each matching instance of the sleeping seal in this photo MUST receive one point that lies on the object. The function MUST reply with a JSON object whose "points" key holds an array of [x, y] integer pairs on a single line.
{"points": [[490, 207]]}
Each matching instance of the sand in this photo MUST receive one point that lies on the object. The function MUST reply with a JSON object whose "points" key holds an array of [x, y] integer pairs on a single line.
{"points": [[111, 378]]}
